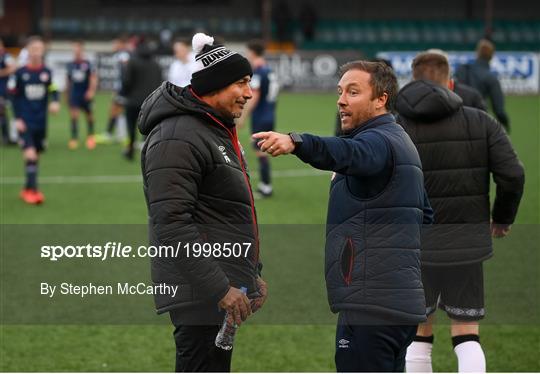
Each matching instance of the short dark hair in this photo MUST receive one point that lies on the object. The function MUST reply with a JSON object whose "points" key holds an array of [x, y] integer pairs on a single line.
{"points": [[383, 80], [432, 66], [257, 47], [485, 49]]}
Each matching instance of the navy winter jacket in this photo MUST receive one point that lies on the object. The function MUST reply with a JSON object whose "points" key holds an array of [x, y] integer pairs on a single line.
{"points": [[376, 209]]}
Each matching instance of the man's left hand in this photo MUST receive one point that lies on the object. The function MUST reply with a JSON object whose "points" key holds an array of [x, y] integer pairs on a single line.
{"points": [[274, 143], [257, 303]]}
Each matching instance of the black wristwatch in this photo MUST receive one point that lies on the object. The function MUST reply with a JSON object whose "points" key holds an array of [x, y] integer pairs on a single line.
{"points": [[297, 140]]}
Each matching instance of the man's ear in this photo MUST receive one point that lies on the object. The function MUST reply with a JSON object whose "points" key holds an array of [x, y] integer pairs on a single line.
{"points": [[381, 101]]}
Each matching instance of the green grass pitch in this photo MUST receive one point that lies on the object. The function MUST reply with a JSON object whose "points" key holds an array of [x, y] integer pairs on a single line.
{"points": [[509, 346]]}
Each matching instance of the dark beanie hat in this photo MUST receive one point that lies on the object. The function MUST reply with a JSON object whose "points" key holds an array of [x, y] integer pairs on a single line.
{"points": [[216, 67]]}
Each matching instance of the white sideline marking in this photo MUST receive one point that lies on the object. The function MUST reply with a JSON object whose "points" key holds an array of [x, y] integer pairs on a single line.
{"points": [[98, 179]]}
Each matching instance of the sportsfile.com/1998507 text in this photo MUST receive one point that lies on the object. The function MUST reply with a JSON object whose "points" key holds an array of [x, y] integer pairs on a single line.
{"points": [[119, 250]]}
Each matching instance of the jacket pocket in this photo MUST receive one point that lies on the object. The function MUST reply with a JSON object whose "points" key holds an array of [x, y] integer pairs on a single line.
{"points": [[347, 261]]}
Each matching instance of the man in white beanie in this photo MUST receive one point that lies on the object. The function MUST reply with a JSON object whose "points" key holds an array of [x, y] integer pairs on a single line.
{"points": [[199, 196]]}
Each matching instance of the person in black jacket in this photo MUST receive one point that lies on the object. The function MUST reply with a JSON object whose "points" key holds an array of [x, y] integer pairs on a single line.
{"points": [[376, 209], [478, 75], [469, 95], [198, 194], [141, 76], [460, 148]]}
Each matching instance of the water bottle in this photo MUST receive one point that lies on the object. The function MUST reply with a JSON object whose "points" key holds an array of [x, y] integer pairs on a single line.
{"points": [[225, 336]]}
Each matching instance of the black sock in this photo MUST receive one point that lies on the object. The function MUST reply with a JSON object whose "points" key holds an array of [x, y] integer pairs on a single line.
{"points": [[424, 339], [90, 127], [31, 169], [264, 168], [456, 340], [4, 124], [74, 129], [111, 125]]}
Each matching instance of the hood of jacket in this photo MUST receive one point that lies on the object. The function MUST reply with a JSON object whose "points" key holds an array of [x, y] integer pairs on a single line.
{"points": [[169, 100], [427, 101], [144, 51]]}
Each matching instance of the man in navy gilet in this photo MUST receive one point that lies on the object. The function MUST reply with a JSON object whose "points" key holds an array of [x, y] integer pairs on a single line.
{"points": [[376, 210]]}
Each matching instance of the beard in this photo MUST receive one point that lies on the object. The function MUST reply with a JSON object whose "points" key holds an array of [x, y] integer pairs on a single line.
{"points": [[357, 120]]}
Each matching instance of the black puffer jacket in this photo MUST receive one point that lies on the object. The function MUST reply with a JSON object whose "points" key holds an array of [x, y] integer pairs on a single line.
{"points": [[140, 76], [459, 148], [470, 96], [197, 191]]}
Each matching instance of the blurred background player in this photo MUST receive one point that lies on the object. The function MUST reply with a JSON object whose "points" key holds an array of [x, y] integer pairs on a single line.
{"points": [[31, 86], [262, 108], [7, 67], [121, 56], [182, 67], [479, 76], [80, 90], [141, 76]]}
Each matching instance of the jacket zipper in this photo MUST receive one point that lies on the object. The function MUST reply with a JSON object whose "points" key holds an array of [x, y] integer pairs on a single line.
{"points": [[348, 277], [234, 138]]}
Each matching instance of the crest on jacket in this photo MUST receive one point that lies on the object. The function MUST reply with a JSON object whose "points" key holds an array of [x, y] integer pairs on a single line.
{"points": [[224, 153]]}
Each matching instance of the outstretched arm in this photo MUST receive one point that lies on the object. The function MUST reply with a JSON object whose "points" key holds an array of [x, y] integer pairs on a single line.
{"points": [[497, 102], [365, 155]]}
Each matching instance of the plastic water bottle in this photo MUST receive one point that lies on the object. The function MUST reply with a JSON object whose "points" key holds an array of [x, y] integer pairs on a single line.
{"points": [[225, 336]]}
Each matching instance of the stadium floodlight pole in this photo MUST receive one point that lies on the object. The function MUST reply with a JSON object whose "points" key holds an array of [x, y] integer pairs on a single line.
{"points": [[266, 20], [488, 29]]}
